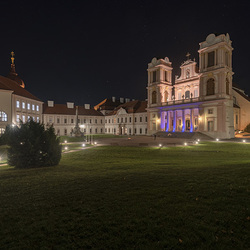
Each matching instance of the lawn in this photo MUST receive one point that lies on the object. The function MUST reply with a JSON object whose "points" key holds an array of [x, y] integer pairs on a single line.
{"points": [[194, 197]]}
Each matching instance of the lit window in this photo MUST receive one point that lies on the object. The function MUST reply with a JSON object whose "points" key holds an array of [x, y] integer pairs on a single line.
{"points": [[17, 104], [37, 119], [17, 118], [3, 116], [28, 117], [28, 106], [33, 107], [23, 118], [37, 108], [23, 105]]}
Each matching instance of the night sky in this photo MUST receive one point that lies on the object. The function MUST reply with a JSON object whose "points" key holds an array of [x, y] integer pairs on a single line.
{"points": [[86, 51]]}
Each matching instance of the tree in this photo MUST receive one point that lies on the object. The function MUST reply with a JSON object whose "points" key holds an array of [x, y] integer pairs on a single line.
{"points": [[31, 145]]}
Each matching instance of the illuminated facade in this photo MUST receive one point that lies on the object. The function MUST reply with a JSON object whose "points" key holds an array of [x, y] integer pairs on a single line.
{"points": [[199, 100]]}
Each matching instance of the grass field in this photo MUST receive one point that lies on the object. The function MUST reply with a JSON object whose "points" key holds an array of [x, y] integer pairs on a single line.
{"points": [[194, 197]]}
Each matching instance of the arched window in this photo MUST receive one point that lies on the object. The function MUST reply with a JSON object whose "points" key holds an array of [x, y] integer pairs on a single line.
{"points": [[166, 96], [3, 117], [153, 97], [227, 86], [187, 94], [210, 86]]}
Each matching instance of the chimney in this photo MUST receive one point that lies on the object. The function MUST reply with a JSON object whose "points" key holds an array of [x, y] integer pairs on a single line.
{"points": [[70, 105], [127, 100], [87, 106], [50, 103], [121, 100], [113, 99]]}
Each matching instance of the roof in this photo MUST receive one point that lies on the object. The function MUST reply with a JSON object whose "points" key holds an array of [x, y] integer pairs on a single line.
{"points": [[107, 104], [8, 84], [241, 92], [132, 107], [62, 109]]}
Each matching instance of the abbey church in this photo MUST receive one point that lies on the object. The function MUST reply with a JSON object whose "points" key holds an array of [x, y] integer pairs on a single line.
{"points": [[203, 98]]}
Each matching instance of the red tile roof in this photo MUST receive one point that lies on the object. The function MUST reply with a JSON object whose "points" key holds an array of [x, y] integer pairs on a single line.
{"points": [[62, 109], [132, 107], [8, 84]]}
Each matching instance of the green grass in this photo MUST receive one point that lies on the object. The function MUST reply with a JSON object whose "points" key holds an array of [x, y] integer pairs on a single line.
{"points": [[194, 197], [3, 154]]}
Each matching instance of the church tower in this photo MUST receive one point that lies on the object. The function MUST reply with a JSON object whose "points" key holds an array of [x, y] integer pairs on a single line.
{"points": [[216, 86], [159, 91]]}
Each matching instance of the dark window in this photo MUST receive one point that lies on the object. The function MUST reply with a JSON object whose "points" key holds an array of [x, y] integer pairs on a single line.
{"points": [[187, 94], [135, 119], [101, 120], [65, 120], [140, 119], [227, 86], [118, 120], [154, 76], [236, 119], [58, 120], [130, 119], [210, 86], [135, 130], [126, 120], [84, 121], [96, 130], [166, 76], [140, 131], [65, 131], [210, 59], [95, 120], [153, 97], [90, 121], [146, 119], [121, 119], [72, 120]]}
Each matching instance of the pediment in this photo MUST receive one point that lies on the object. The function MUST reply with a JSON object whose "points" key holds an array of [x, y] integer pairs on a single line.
{"points": [[121, 111]]}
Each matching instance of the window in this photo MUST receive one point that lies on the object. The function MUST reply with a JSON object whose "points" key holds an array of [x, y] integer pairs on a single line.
{"points": [[140, 131], [90, 120], [166, 96], [23, 118], [101, 130], [2, 130], [23, 105], [109, 120], [84, 120], [65, 131], [101, 120], [17, 104], [135, 119], [96, 130], [196, 93], [227, 86], [179, 95], [210, 59], [90, 131], [187, 94], [33, 107], [58, 120], [50, 119], [17, 118], [28, 106], [146, 131], [226, 58], [154, 76], [135, 130], [210, 86], [37, 108], [236, 119], [118, 120], [166, 76], [130, 131], [140, 119], [146, 119], [3, 116], [72, 120], [153, 97], [122, 119], [210, 126], [126, 120], [37, 119], [65, 120], [210, 111], [95, 120], [130, 119], [28, 118]]}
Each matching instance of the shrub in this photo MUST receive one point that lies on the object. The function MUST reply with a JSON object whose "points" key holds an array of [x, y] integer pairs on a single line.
{"points": [[247, 128], [31, 145]]}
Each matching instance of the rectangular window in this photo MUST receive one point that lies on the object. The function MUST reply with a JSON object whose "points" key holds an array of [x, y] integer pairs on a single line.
{"points": [[28, 106], [28, 118], [146, 131], [37, 119], [58, 120], [196, 93], [23, 118], [96, 130], [72, 120], [118, 120], [101, 130], [135, 130], [101, 120], [121, 119], [95, 120], [140, 119], [135, 119], [17, 104], [65, 131], [17, 118], [130, 120], [126, 120], [33, 107], [210, 126], [90, 120], [146, 119], [166, 76], [236, 119], [23, 105], [154, 76], [37, 108], [210, 111], [65, 120], [210, 59], [140, 131], [84, 120], [50, 119], [58, 131]]}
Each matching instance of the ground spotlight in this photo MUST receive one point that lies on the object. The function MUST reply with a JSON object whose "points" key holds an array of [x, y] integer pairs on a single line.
{"points": [[83, 145], [185, 144], [66, 148], [160, 145], [243, 140], [198, 139], [196, 142], [65, 141], [95, 142], [217, 139]]}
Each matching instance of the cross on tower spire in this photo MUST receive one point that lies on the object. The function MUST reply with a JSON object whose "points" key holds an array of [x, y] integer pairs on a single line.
{"points": [[188, 55], [12, 57]]}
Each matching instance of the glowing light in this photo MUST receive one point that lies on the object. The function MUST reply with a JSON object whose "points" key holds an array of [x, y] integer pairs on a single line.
{"points": [[244, 141], [12, 125], [217, 139], [185, 144], [66, 148], [160, 145], [83, 145], [198, 139], [196, 142], [200, 118], [95, 142], [158, 120], [65, 141]]}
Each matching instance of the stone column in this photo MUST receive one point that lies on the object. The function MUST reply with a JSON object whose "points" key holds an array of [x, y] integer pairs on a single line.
{"points": [[162, 120], [168, 117], [174, 123], [191, 120], [183, 121]]}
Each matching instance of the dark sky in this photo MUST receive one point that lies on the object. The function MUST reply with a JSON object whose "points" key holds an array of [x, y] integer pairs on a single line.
{"points": [[85, 51]]}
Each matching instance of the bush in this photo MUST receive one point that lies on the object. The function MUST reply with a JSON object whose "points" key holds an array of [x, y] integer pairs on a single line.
{"points": [[31, 145], [247, 128]]}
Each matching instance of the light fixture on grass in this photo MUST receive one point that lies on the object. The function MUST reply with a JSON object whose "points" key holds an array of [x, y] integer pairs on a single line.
{"points": [[66, 148], [243, 140], [65, 141], [185, 144], [83, 145], [217, 139], [160, 145]]}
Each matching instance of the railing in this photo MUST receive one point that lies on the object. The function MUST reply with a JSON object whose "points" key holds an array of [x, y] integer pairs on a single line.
{"points": [[176, 102]]}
